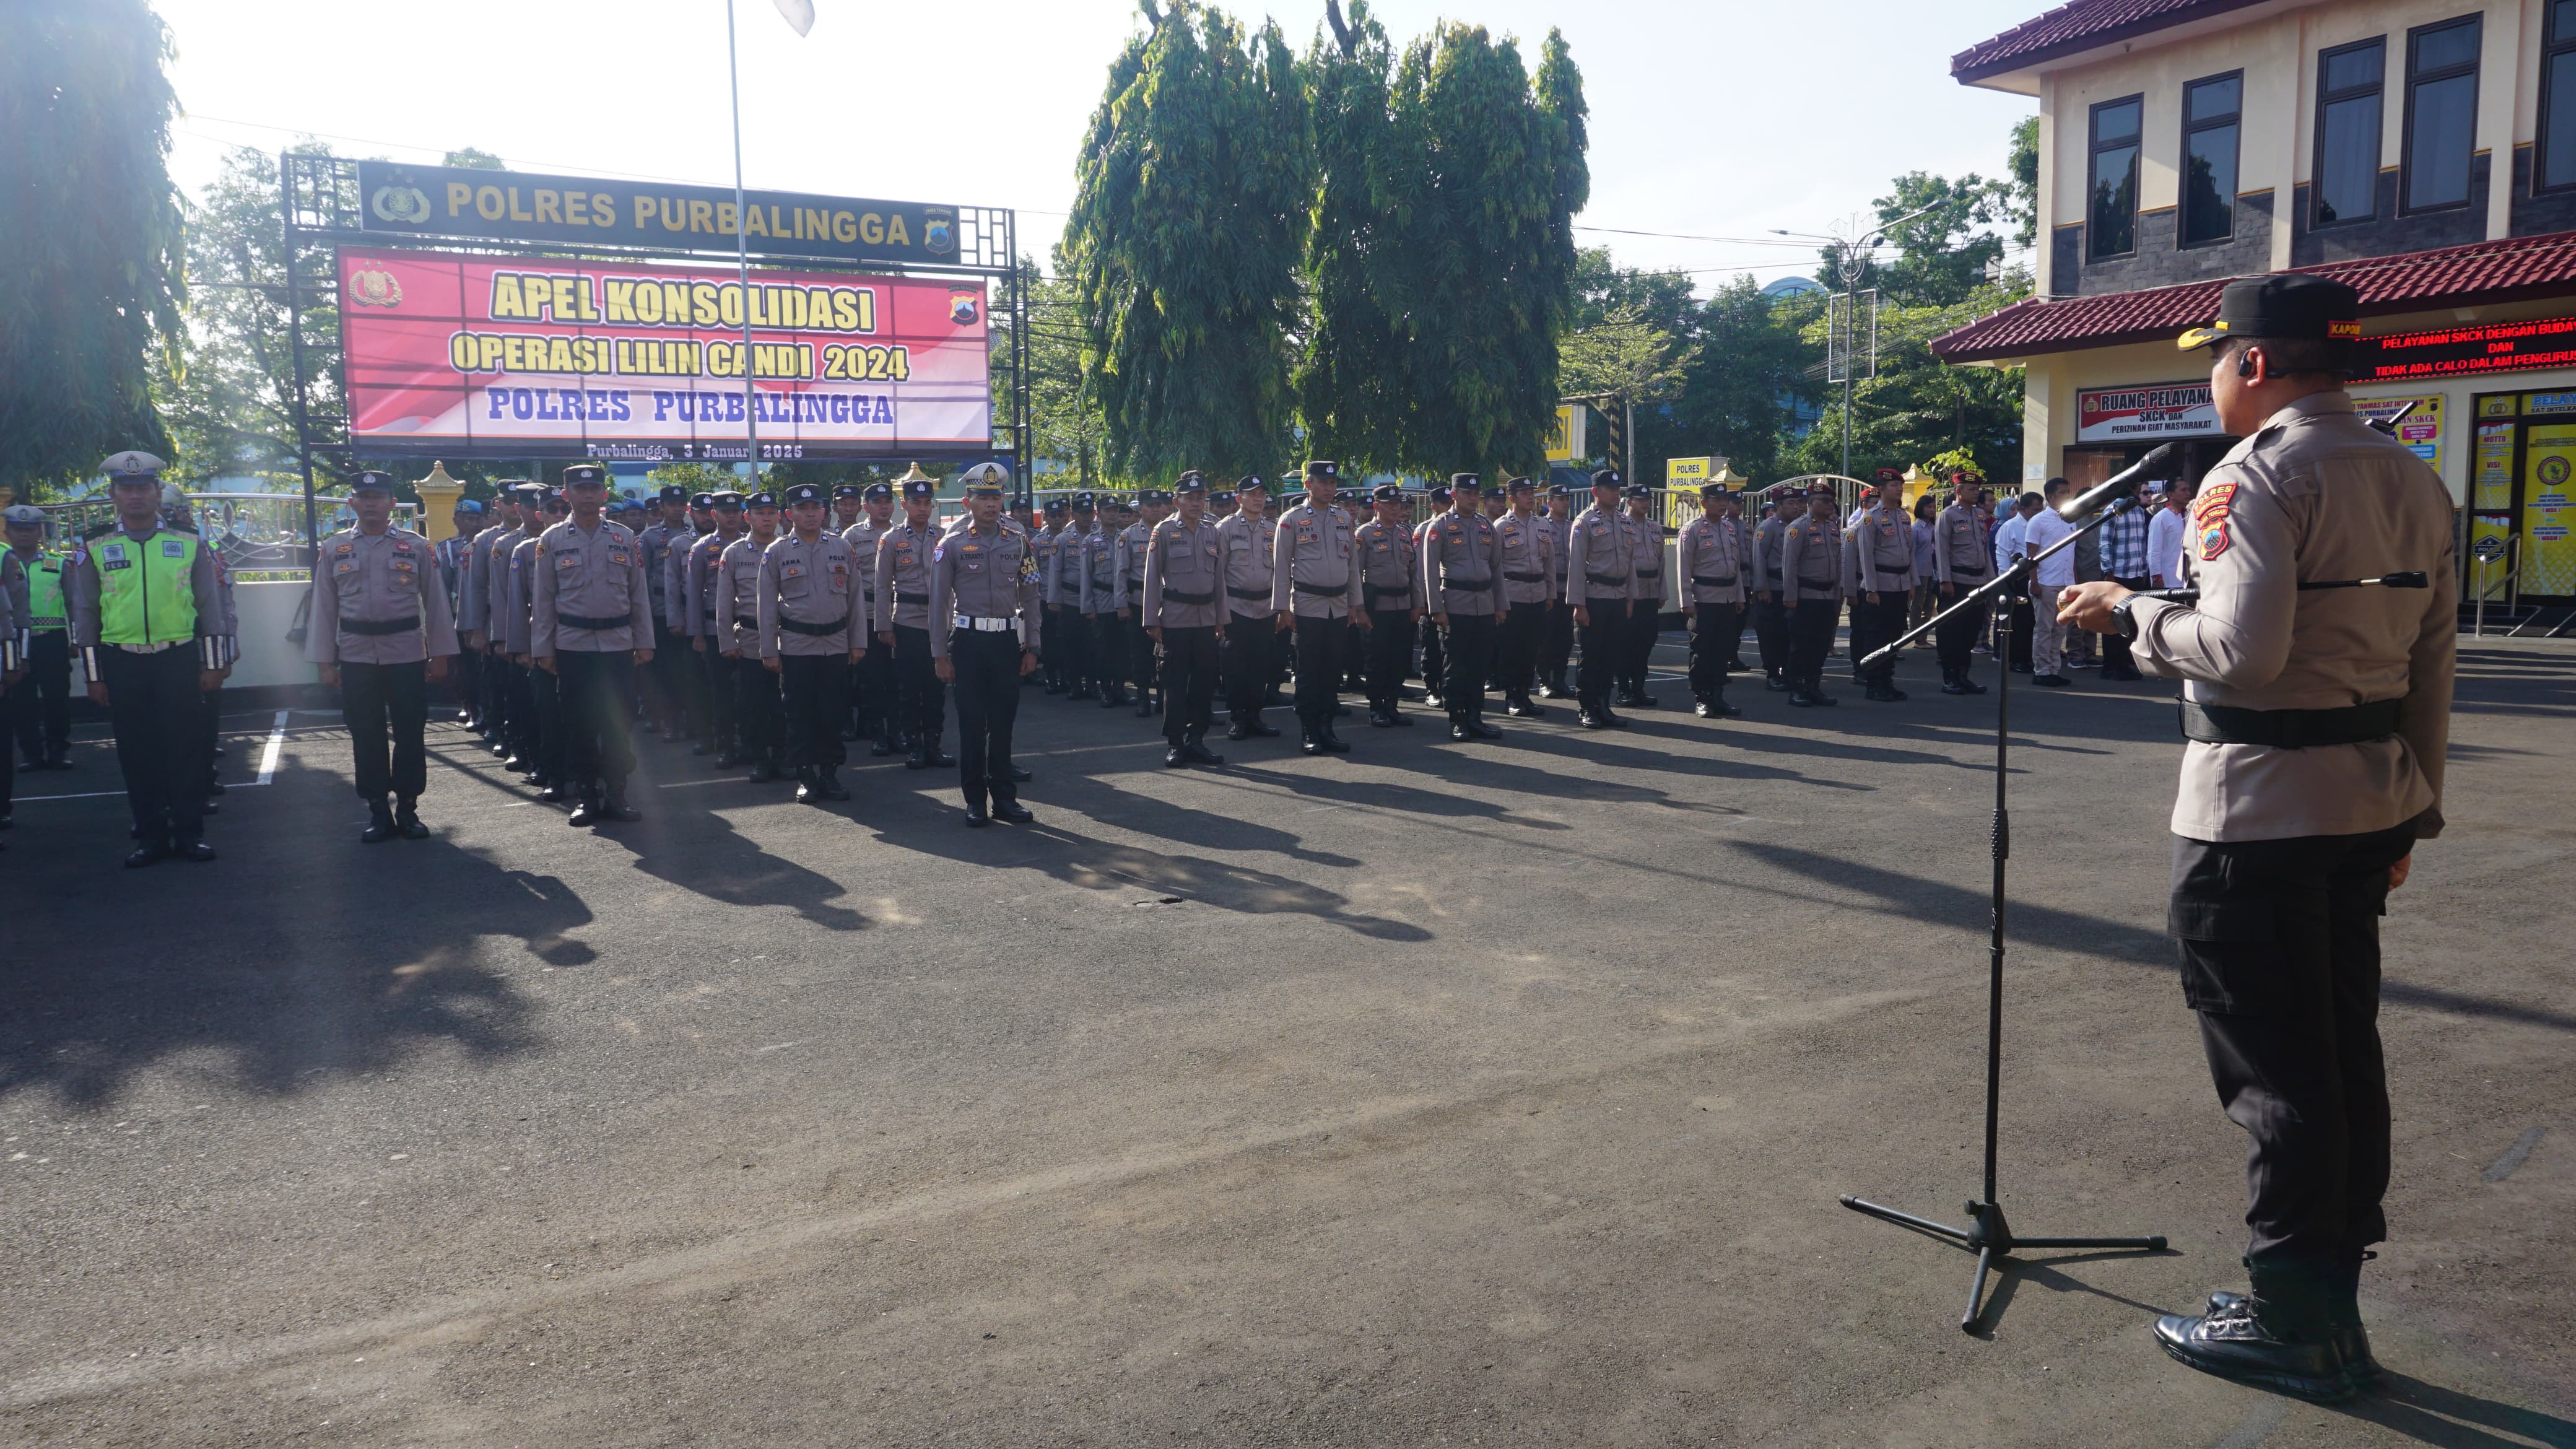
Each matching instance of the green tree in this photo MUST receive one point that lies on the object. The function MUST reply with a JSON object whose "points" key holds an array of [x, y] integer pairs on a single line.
{"points": [[1193, 199], [1749, 365], [2024, 205], [472, 159], [91, 233], [1443, 265]]}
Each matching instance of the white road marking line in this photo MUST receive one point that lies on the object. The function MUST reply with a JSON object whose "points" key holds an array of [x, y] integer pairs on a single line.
{"points": [[276, 742]]}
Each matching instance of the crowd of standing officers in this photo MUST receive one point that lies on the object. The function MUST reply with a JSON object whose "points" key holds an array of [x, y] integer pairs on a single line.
{"points": [[773, 632]]}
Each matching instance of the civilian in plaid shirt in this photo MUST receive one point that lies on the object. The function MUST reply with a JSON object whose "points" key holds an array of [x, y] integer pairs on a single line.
{"points": [[2124, 557]]}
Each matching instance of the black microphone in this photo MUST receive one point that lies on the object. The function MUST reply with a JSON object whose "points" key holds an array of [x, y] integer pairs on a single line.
{"points": [[2153, 465]]}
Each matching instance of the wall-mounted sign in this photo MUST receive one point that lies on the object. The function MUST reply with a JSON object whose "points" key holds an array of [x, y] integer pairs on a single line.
{"points": [[2420, 430], [2469, 350], [2134, 414]]}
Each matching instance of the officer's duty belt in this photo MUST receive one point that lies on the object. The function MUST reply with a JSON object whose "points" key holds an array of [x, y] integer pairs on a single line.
{"points": [[380, 626], [1247, 593], [1526, 578], [2290, 729], [901, 597], [579, 621], [1607, 581], [983, 625], [1968, 573], [1727, 582], [1650, 573], [1319, 590], [1376, 592], [1175, 596], [1467, 586], [812, 631]]}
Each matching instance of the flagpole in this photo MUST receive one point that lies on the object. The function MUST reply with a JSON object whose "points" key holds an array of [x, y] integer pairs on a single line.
{"points": [[742, 252]]}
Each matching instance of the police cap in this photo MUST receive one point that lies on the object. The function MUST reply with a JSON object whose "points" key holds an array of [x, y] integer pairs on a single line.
{"points": [[1189, 483], [725, 498], [1890, 475], [1638, 490], [370, 480], [1440, 493], [1221, 497], [1325, 470], [133, 463], [1387, 493], [1250, 483], [985, 480], [1085, 502], [920, 487], [1714, 490], [585, 475], [2284, 306], [703, 500], [762, 499], [876, 493], [1519, 485], [1465, 483], [805, 493], [470, 505], [673, 493], [22, 513], [1607, 478]]}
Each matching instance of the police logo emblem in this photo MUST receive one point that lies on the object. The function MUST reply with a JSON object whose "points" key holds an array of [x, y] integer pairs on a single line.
{"points": [[401, 205], [374, 288], [938, 230], [963, 307]]}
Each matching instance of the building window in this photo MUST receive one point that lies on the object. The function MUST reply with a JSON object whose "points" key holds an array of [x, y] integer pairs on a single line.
{"points": [[2441, 113], [2210, 109], [2112, 213], [2557, 161], [2348, 90]]}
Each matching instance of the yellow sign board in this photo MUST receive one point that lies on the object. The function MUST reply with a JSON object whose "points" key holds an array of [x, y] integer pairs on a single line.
{"points": [[1565, 439]]}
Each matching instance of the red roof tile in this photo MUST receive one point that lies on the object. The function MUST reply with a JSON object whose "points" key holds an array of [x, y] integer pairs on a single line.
{"points": [[2510, 270], [2077, 27]]}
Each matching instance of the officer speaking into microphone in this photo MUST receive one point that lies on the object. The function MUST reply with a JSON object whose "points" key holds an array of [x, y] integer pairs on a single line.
{"points": [[2316, 720]]}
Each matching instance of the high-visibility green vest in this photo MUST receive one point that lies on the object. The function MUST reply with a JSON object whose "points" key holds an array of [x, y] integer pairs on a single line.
{"points": [[144, 595], [45, 592]]}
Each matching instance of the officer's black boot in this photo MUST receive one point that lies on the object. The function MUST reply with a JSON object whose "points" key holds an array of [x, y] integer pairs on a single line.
{"points": [[807, 792], [767, 770], [1950, 682], [1381, 717], [1194, 745], [884, 745], [1313, 743], [2280, 1336], [586, 812], [1968, 685], [616, 807], [380, 823], [407, 819], [830, 783], [1475, 726], [1145, 705]]}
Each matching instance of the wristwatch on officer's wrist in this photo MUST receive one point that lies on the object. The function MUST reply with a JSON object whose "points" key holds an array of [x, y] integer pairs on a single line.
{"points": [[2124, 623]]}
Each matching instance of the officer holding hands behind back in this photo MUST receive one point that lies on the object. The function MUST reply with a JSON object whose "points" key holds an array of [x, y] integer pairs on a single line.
{"points": [[2316, 723]]}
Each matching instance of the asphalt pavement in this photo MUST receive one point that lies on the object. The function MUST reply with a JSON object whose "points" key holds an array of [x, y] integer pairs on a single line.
{"points": [[1438, 1094]]}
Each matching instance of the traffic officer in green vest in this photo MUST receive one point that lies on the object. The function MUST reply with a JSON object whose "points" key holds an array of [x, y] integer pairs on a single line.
{"points": [[144, 611], [40, 704], [381, 634]]}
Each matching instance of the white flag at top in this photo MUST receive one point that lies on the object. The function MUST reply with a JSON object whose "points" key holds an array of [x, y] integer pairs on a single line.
{"points": [[799, 13]]}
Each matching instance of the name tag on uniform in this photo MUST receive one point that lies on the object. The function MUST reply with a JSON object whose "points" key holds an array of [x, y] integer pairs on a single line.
{"points": [[173, 548]]}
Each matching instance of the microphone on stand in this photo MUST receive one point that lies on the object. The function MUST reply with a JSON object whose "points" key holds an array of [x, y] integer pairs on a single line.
{"points": [[2100, 496]]}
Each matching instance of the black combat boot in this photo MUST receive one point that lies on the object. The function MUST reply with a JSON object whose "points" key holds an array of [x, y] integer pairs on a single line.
{"points": [[806, 791], [828, 783], [615, 806], [2280, 1336], [407, 819], [380, 823]]}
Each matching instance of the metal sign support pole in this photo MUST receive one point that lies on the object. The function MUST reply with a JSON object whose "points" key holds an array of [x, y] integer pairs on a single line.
{"points": [[742, 253], [295, 339]]}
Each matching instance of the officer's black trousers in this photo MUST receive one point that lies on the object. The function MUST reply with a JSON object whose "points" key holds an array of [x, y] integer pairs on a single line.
{"points": [[159, 716], [925, 699], [662, 677], [1521, 627], [1712, 644], [1556, 646], [495, 703], [595, 691], [1954, 642], [1390, 649], [386, 707], [1435, 663], [712, 679], [1108, 651], [40, 704], [1051, 664], [522, 723], [1645, 626], [1597, 674], [1811, 639], [1771, 636], [1140, 656], [1470, 649], [465, 679], [1189, 681], [700, 701], [872, 691], [2279, 941], [1319, 669], [1073, 646], [988, 704], [814, 690], [1248, 669], [759, 715], [1873, 625], [1354, 655], [544, 726]]}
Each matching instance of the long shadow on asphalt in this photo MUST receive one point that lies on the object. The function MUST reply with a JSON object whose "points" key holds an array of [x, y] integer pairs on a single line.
{"points": [[1868, 886], [2430, 1414], [700, 851], [281, 984]]}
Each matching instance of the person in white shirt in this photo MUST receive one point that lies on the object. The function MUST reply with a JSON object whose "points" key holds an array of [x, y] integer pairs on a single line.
{"points": [[2166, 534], [2048, 638], [2014, 622]]}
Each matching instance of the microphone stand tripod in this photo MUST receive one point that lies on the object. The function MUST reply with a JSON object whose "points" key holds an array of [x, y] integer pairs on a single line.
{"points": [[1987, 1234]]}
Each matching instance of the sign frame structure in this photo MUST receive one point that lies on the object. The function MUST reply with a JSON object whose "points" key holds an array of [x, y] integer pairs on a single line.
{"points": [[326, 208]]}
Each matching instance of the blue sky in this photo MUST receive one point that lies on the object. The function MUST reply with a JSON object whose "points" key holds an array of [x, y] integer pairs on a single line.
{"points": [[1708, 120]]}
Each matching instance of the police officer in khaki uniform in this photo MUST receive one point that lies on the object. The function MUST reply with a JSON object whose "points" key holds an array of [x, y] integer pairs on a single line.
{"points": [[1462, 575], [904, 622], [1530, 588], [1709, 576], [543, 720], [1315, 590], [592, 625], [665, 690], [2317, 721], [1153, 505], [1183, 598], [872, 688], [1598, 565], [1961, 564], [1878, 574], [1646, 594], [1811, 574], [984, 612], [1245, 540], [1391, 595], [712, 673], [1556, 642], [381, 633], [760, 723], [813, 632], [509, 724], [145, 611], [1088, 580]]}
